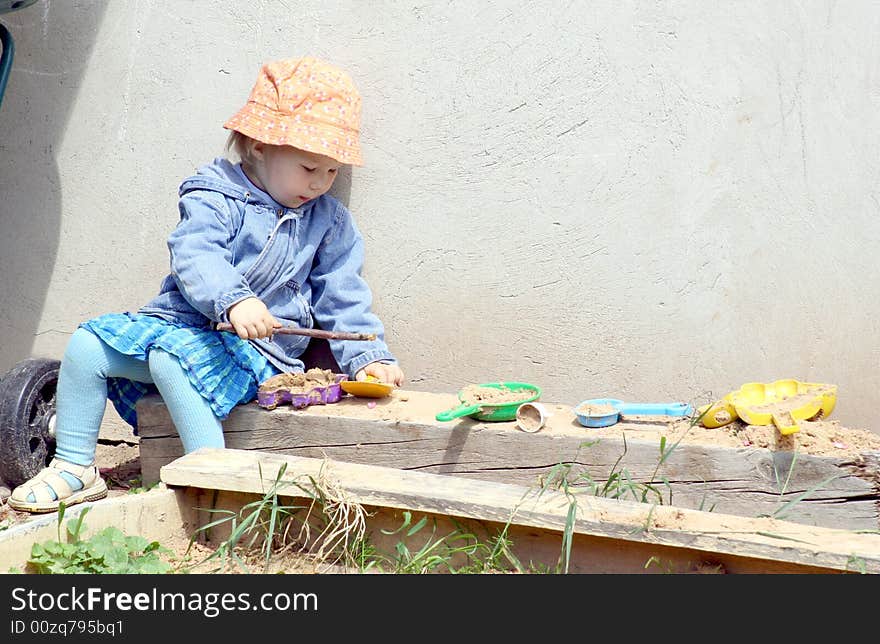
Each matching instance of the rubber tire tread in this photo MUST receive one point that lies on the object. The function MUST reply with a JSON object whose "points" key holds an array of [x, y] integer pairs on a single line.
{"points": [[20, 388]]}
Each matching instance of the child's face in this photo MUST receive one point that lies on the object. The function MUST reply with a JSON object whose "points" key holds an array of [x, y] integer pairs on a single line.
{"points": [[293, 176]]}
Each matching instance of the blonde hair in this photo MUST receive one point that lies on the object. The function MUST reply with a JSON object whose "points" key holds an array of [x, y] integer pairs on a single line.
{"points": [[242, 145]]}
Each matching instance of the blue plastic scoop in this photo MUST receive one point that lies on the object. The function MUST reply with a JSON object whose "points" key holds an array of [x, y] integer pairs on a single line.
{"points": [[602, 412]]}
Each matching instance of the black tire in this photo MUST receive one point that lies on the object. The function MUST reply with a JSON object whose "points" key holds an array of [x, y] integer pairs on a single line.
{"points": [[27, 416]]}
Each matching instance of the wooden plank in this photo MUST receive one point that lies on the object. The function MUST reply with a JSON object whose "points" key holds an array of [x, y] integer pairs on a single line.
{"points": [[745, 481], [536, 548], [767, 539]]}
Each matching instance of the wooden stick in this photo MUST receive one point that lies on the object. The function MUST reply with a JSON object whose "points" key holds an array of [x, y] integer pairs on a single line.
{"points": [[312, 333]]}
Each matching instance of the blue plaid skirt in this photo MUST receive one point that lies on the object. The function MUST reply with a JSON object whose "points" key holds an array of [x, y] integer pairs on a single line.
{"points": [[223, 368]]}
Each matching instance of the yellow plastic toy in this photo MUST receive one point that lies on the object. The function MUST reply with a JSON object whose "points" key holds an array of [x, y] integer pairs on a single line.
{"points": [[717, 414], [781, 403], [369, 388]]}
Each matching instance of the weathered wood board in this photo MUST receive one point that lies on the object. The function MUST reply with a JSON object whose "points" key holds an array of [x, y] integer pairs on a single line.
{"points": [[625, 534], [747, 481]]}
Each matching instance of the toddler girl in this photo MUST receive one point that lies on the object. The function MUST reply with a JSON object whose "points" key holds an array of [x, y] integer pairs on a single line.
{"points": [[259, 245]]}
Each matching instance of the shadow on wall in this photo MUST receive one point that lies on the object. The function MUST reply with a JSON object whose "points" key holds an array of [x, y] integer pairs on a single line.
{"points": [[53, 43]]}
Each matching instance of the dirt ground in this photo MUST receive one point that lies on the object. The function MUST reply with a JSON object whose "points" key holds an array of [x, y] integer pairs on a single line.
{"points": [[819, 438]]}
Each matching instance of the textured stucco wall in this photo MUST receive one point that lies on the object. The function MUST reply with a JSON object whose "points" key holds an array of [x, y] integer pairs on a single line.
{"points": [[649, 201]]}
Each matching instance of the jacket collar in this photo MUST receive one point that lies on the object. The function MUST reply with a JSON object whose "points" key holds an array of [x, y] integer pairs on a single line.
{"points": [[230, 180]]}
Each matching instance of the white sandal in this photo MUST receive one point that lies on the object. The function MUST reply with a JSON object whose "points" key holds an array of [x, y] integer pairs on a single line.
{"points": [[42, 486]]}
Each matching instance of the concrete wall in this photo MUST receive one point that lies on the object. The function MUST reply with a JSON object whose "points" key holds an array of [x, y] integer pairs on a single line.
{"points": [[646, 200]]}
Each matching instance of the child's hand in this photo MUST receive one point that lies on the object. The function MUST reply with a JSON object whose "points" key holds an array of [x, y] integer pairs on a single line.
{"points": [[251, 319], [389, 373]]}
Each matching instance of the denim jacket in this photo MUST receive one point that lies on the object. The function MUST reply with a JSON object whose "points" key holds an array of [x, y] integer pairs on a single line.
{"points": [[234, 241]]}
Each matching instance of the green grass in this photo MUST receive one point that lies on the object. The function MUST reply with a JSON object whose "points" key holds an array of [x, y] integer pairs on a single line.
{"points": [[458, 551], [106, 552], [784, 509], [266, 524], [856, 564], [330, 530]]}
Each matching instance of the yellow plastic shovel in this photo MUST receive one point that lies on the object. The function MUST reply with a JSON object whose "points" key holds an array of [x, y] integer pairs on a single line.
{"points": [[781, 403]]}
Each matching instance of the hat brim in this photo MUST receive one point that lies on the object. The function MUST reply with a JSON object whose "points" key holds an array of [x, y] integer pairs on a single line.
{"points": [[264, 124]]}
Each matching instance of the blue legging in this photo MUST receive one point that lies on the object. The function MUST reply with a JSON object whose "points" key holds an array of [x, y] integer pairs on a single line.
{"points": [[82, 397]]}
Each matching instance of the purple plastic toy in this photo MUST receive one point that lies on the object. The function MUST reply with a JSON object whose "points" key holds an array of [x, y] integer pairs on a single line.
{"points": [[317, 396]]}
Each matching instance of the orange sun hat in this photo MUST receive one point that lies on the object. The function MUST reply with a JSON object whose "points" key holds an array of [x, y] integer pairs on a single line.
{"points": [[305, 103]]}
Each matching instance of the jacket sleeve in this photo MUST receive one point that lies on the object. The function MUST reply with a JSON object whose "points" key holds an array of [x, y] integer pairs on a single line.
{"points": [[341, 298], [201, 259]]}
